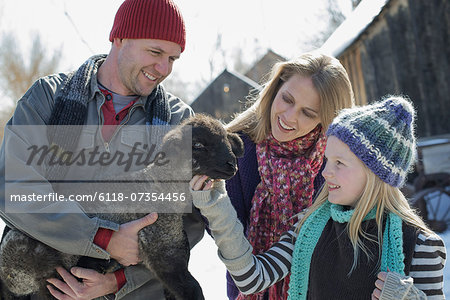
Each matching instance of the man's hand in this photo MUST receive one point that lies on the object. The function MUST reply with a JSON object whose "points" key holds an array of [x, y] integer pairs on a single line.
{"points": [[123, 245], [93, 285]]}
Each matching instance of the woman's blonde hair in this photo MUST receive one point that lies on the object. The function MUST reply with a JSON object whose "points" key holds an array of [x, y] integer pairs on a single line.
{"points": [[377, 193], [329, 78]]}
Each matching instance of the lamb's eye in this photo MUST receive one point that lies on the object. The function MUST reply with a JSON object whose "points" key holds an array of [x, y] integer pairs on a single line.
{"points": [[198, 145]]}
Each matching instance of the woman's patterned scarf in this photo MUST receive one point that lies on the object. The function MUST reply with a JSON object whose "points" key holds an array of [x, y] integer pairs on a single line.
{"points": [[287, 171]]}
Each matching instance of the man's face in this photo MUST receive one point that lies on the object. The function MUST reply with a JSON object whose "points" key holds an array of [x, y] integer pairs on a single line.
{"points": [[144, 63]]}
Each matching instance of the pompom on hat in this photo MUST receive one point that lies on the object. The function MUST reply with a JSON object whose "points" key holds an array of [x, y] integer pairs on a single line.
{"points": [[381, 135], [149, 19]]}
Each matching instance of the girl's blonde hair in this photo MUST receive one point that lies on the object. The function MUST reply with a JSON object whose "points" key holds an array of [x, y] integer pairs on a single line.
{"points": [[329, 78], [376, 193]]}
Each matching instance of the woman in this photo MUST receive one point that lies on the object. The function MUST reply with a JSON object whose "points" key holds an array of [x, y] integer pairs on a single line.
{"points": [[283, 134], [360, 239]]}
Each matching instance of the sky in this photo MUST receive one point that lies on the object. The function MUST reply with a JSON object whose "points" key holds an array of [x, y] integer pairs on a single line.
{"points": [[81, 28]]}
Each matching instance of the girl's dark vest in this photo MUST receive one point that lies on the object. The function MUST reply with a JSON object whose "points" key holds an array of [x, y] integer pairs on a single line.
{"points": [[330, 276]]}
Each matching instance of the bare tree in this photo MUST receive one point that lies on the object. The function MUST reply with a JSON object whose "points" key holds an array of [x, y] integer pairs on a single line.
{"points": [[241, 63], [177, 86], [217, 53], [1, 12], [17, 73], [355, 3], [334, 17]]}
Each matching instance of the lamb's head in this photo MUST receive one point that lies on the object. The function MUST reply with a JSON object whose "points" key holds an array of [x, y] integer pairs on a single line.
{"points": [[214, 150]]}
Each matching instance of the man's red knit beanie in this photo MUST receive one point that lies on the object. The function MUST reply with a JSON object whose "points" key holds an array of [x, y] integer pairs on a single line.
{"points": [[149, 19]]}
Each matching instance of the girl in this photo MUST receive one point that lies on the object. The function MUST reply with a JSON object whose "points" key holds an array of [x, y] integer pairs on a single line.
{"points": [[360, 239], [284, 137]]}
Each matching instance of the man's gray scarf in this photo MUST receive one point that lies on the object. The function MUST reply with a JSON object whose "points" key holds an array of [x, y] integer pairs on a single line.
{"points": [[71, 108]]}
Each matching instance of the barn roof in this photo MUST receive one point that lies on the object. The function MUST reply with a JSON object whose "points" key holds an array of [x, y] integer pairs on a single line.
{"points": [[263, 66], [355, 24], [226, 73]]}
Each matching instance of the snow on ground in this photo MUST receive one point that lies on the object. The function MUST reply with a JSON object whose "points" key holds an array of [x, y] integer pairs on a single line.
{"points": [[446, 237], [206, 267]]}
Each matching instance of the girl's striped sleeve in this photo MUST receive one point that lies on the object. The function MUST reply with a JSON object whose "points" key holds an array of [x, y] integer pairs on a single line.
{"points": [[267, 268], [427, 266]]}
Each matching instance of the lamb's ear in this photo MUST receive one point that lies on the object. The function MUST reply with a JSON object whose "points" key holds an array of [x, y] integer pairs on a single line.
{"points": [[236, 144], [172, 142]]}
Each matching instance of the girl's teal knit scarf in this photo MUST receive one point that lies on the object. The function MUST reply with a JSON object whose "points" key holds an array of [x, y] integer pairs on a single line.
{"points": [[391, 256]]}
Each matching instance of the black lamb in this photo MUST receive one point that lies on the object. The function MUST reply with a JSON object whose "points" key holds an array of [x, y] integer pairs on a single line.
{"points": [[26, 263]]}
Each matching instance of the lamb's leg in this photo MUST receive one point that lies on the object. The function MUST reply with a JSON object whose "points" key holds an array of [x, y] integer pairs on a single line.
{"points": [[25, 264], [164, 249], [100, 265], [171, 267], [5, 294]]}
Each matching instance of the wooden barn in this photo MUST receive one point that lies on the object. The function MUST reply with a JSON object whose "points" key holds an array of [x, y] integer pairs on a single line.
{"points": [[225, 95], [260, 71], [399, 47]]}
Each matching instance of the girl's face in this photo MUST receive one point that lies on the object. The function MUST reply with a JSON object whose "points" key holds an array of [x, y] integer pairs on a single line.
{"points": [[344, 173], [295, 109]]}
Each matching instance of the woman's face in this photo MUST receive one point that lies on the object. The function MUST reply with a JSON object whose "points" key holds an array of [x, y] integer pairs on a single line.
{"points": [[295, 109]]}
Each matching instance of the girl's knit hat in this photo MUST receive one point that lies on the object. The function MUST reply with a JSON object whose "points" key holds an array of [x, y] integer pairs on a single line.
{"points": [[381, 135], [149, 19]]}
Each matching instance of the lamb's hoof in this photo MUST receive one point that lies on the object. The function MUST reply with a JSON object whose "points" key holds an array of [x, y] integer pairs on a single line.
{"points": [[194, 293]]}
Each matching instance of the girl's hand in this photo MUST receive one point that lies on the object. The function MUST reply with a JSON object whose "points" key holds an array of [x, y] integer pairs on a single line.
{"points": [[201, 182], [379, 284]]}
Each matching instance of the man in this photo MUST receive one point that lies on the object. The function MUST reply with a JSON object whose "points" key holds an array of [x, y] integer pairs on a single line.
{"points": [[120, 89]]}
